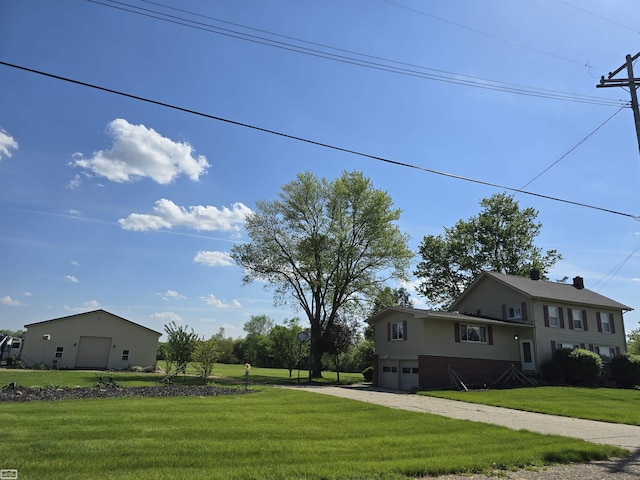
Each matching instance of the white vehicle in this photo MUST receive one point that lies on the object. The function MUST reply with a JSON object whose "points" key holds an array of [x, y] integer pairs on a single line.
{"points": [[10, 348]]}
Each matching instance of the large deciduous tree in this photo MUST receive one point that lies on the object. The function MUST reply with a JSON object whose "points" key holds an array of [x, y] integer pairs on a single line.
{"points": [[322, 246], [500, 239]]}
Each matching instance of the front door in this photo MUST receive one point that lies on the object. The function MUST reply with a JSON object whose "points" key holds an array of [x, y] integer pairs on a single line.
{"points": [[526, 355]]}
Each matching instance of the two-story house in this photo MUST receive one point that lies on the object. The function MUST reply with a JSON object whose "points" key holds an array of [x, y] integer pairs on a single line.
{"points": [[499, 321]]}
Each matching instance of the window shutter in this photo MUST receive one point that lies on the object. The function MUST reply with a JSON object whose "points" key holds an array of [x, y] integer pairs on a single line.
{"points": [[617, 351], [490, 334], [504, 312], [456, 328], [612, 324], [585, 325], [523, 309], [591, 347], [553, 347], [561, 317], [404, 330], [545, 309], [388, 331], [478, 312], [599, 322], [570, 319], [582, 346]]}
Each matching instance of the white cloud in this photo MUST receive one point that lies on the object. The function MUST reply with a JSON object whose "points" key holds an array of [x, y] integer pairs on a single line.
{"points": [[137, 152], [27, 294], [6, 142], [167, 317], [86, 306], [213, 259], [10, 302], [171, 295], [72, 279], [213, 301], [74, 263], [167, 215]]}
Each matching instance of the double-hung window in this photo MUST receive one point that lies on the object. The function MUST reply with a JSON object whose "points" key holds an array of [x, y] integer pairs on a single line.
{"points": [[605, 322], [554, 317], [397, 331], [59, 352], [473, 333], [576, 318], [606, 353], [514, 312]]}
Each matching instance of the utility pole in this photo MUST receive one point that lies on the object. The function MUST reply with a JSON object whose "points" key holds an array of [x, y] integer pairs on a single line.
{"points": [[630, 82]]}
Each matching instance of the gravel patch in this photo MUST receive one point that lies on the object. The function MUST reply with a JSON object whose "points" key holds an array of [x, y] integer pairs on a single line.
{"points": [[19, 394]]}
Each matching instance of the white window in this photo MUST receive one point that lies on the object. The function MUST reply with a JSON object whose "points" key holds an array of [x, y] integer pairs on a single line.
{"points": [[470, 333], [567, 345], [59, 352], [606, 353], [554, 317], [125, 354], [576, 319], [605, 320], [514, 312], [397, 331]]}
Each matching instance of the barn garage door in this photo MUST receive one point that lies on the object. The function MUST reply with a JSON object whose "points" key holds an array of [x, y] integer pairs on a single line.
{"points": [[93, 352]]}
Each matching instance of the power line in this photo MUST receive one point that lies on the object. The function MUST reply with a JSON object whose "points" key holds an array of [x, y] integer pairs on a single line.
{"points": [[570, 150], [391, 66], [317, 143], [490, 35], [598, 16]]}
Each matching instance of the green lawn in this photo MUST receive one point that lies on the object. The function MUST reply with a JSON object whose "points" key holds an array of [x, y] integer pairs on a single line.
{"points": [[605, 404], [270, 434], [222, 374]]}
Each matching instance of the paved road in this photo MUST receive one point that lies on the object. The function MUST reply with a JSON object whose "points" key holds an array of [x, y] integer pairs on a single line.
{"points": [[626, 436]]}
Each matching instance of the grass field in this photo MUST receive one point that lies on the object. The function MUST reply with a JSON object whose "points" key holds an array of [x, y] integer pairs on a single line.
{"points": [[222, 374], [604, 404], [270, 434]]}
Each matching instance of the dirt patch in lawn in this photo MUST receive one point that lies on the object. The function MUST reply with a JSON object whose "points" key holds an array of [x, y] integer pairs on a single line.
{"points": [[13, 393]]}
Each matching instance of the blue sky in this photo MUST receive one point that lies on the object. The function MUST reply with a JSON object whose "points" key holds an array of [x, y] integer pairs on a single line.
{"points": [[110, 202]]}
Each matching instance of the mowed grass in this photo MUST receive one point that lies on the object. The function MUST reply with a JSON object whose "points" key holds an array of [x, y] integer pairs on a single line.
{"points": [[604, 404], [222, 375], [269, 434]]}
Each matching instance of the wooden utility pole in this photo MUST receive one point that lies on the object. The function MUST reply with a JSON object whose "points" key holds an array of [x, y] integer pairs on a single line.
{"points": [[630, 82]]}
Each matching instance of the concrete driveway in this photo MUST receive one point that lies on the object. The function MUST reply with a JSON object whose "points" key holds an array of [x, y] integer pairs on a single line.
{"points": [[625, 436]]}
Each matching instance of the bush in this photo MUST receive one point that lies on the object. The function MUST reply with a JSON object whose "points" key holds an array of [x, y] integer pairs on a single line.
{"points": [[573, 366], [625, 370], [555, 370], [367, 373], [584, 367]]}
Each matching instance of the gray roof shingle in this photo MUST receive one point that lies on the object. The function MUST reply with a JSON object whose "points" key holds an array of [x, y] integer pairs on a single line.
{"points": [[541, 289]]}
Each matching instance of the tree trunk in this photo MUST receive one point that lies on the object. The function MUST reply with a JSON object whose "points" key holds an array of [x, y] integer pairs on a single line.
{"points": [[316, 353]]}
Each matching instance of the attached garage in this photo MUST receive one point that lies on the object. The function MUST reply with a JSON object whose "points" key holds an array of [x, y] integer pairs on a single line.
{"points": [[409, 377], [96, 340], [93, 353]]}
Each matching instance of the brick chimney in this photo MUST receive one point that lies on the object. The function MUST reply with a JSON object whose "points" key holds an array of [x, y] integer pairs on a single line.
{"points": [[534, 274], [578, 282]]}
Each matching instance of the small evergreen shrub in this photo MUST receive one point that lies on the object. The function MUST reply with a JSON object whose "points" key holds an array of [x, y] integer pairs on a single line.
{"points": [[625, 370], [367, 373], [584, 367]]}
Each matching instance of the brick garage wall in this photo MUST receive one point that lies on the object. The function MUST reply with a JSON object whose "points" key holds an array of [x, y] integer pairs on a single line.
{"points": [[434, 371]]}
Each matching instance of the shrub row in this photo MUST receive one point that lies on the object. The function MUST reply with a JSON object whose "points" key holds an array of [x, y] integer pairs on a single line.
{"points": [[584, 368]]}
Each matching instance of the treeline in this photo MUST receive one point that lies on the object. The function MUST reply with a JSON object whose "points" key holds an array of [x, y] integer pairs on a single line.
{"points": [[268, 345]]}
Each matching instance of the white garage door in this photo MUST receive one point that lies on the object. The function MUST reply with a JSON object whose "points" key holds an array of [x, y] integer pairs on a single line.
{"points": [[388, 374], [408, 374], [93, 352]]}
